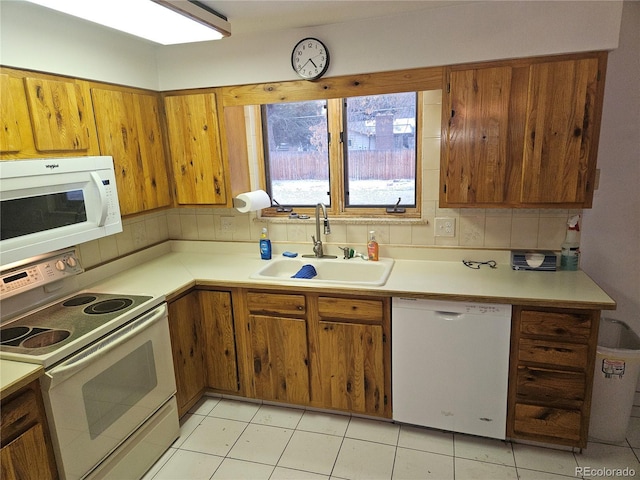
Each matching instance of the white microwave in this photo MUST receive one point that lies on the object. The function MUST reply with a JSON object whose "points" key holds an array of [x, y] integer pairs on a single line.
{"points": [[55, 203]]}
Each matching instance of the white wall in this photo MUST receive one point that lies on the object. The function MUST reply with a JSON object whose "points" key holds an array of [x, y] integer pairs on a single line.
{"points": [[611, 239], [441, 36]]}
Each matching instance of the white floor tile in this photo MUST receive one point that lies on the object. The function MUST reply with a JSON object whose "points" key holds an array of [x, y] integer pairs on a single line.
{"points": [[188, 424], [416, 464], [232, 469], [278, 416], [483, 449], [359, 459], [204, 405], [599, 455], [524, 474], [633, 432], [192, 465], [215, 436], [324, 423], [311, 452], [261, 443], [281, 473], [545, 459], [159, 464], [426, 439], [474, 470], [234, 410], [373, 430]]}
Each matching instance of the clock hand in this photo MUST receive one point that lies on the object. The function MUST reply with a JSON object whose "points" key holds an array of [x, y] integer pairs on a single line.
{"points": [[304, 65], [314, 63]]}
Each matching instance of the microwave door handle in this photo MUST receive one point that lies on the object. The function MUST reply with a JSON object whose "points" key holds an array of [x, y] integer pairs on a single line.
{"points": [[102, 192], [69, 368]]}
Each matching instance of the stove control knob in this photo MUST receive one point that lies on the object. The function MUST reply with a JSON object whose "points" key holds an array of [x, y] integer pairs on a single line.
{"points": [[72, 262], [60, 265]]}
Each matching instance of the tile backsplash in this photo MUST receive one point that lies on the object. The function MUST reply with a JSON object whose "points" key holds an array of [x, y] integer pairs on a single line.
{"points": [[474, 227]]}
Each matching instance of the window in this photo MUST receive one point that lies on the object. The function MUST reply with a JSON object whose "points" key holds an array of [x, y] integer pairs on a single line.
{"points": [[356, 155]]}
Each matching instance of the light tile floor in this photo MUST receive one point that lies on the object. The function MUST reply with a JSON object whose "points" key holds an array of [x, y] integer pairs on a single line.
{"points": [[224, 438]]}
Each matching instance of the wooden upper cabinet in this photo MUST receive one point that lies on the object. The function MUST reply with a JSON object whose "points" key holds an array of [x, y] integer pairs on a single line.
{"points": [[522, 133], [129, 129], [44, 116], [558, 156], [194, 142]]}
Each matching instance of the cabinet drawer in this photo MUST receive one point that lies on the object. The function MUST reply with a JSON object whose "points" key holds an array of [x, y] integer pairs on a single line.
{"points": [[573, 326], [554, 353], [18, 415], [547, 422], [276, 304], [550, 386], [370, 311]]}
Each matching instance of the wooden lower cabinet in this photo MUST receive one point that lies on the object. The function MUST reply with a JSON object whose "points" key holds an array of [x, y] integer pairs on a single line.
{"points": [[26, 452], [551, 374]]}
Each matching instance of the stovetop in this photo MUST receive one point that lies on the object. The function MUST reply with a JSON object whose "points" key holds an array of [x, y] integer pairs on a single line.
{"points": [[67, 326]]}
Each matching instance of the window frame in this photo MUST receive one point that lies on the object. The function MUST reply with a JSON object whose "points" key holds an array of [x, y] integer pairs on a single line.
{"points": [[337, 167]]}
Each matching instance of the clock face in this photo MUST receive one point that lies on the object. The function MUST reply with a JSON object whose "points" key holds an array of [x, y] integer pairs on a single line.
{"points": [[310, 58]]}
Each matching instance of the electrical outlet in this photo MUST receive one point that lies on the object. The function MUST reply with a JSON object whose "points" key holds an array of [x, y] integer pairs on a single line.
{"points": [[227, 224], [445, 227]]}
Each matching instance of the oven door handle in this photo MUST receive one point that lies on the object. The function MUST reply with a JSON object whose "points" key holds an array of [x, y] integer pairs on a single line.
{"points": [[80, 361]]}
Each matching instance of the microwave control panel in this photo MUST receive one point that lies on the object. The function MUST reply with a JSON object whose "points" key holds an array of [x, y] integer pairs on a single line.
{"points": [[39, 273]]}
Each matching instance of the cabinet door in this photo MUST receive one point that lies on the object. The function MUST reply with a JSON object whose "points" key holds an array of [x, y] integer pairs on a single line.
{"points": [[280, 358], [352, 365], [476, 155], [192, 124], [560, 130], [58, 115], [219, 340], [13, 114], [26, 457], [186, 347], [129, 129]]}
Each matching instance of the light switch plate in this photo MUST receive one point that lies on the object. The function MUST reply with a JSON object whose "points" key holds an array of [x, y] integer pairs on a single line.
{"points": [[445, 227]]}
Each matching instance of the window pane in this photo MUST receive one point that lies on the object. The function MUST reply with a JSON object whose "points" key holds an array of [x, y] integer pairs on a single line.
{"points": [[380, 148], [297, 153]]}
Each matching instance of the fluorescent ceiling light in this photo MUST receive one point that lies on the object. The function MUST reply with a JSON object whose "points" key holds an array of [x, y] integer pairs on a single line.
{"points": [[171, 23]]}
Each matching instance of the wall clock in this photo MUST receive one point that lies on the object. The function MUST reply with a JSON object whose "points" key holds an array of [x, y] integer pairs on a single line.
{"points": [[310, 58]]}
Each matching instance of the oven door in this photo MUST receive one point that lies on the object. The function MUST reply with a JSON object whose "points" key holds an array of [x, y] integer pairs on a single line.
{"points": [[96, 399]]}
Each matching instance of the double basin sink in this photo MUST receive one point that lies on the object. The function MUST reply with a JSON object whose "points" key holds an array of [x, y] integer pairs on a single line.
{"points": [[354, 271]]}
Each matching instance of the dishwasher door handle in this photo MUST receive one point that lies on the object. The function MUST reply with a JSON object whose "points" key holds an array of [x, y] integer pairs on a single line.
{"points": [[449, 315]]}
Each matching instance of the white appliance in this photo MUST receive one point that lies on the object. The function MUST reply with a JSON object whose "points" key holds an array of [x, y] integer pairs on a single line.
{"points": [[51, 204], [450, 365], [109, 385]]}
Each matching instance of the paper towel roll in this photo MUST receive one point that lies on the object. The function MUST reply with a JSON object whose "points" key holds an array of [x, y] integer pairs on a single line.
{"points": [[252, 201]]}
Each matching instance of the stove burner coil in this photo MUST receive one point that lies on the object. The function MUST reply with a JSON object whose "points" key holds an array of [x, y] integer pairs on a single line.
{"points": [[79, 300], [108, 306]]}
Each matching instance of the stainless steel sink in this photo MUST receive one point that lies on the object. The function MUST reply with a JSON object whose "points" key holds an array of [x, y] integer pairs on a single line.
{"points": [[354, 271]]}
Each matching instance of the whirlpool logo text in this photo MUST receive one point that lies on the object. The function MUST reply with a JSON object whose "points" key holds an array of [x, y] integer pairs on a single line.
{"points": [[52, 165]]}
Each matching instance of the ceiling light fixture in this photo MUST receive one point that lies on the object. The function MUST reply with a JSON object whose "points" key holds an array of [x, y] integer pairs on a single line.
{"points": [[167, 22]]}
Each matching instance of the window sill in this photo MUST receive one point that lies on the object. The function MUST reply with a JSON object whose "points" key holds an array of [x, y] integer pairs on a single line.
{"points": [[390, 220]]}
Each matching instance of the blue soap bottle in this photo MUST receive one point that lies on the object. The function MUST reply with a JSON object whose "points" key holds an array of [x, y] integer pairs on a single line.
{"points": [[265, 245]]}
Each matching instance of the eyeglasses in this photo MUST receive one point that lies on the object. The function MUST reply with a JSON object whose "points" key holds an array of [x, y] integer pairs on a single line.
{"points": [[476, 265]]}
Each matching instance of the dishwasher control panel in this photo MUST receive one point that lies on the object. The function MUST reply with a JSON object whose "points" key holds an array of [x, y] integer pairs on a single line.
{"points": [[444, 306]]}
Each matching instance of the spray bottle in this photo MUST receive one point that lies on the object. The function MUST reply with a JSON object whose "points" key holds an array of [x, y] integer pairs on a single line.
{"points": [[570, 255]]}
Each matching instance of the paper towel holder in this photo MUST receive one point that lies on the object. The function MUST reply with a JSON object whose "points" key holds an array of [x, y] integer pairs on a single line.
{"points": [[244, 203]]}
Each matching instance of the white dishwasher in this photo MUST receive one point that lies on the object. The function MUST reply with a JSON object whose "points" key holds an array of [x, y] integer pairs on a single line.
{"points": [[450, 365]]}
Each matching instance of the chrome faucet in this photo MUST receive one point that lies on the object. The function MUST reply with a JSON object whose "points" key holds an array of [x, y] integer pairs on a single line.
{"points": [[318, 251]]}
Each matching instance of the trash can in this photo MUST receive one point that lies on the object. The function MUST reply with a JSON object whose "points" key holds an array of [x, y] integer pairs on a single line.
{"points": [[614, 383]]}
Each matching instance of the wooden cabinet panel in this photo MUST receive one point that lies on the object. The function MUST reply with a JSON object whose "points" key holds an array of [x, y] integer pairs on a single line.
{"points": [[192, 124], [58, 115], [559, 131], [129, 129], [186, 347], [570, 326], [352, 365], [25, 457], [478, 126], [548, 422], [350, 309], [219, 340], [276, 304], [280, 358], [553, 353], [550, 386], [11, 114]]}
